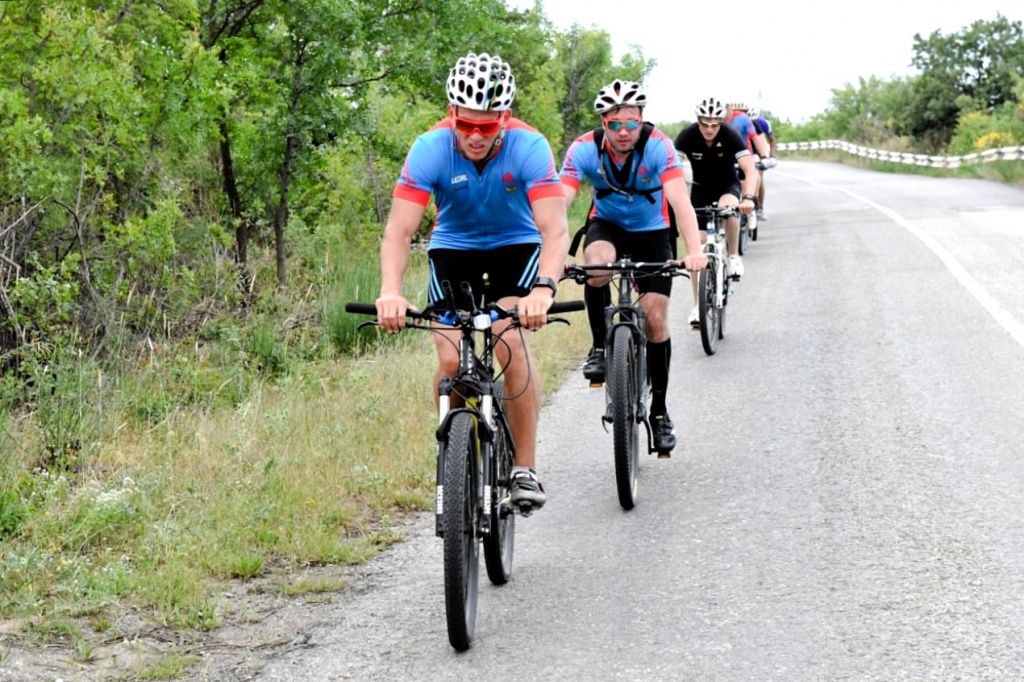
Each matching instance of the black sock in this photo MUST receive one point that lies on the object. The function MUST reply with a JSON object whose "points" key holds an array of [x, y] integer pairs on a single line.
{"points": [[597, 299], [659, 355]]}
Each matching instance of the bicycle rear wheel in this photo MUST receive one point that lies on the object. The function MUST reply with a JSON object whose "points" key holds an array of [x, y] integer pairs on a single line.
{"points": [[459, 517], [500, 542], [622, 393], [707, 293]]}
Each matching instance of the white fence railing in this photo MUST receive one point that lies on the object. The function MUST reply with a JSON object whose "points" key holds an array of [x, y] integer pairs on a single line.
{"points": [[1002, 154]]}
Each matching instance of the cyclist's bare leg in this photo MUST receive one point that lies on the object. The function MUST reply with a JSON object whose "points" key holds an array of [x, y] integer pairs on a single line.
{"points": [[760, 189], [656, 314], [447, 345], [522, 389], [732, 224], [599, 252], [693, 278]]}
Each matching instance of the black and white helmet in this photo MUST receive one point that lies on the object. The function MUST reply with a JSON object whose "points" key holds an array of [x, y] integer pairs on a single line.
{"points": [[710, 108], [619, 94], [482, 83]]}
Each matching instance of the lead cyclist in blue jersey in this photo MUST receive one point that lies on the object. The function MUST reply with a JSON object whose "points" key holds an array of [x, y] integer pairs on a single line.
{"points": [[501, 228], [635, 177]]}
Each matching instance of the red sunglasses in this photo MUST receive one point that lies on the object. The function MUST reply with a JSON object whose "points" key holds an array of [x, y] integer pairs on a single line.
{"points": [[485, 128]]}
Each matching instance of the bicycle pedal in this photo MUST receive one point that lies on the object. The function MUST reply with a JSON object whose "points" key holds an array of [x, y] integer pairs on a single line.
{"points": [[525, 509], [594, 384]]}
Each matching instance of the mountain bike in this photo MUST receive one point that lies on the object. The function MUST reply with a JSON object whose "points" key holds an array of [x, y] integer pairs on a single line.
{"points": [[713, 285], [475, 455], [627, 384]]}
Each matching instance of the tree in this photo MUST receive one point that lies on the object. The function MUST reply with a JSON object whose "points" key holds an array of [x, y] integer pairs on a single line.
{"points": [[972, 70], [586, 56]]}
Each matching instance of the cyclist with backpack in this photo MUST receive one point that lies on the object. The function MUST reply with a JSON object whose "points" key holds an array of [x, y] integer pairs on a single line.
{"points": [[500, 228], [635, 176]]}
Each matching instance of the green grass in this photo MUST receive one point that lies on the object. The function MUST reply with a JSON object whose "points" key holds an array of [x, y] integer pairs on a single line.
{"points": [[249, 457]]}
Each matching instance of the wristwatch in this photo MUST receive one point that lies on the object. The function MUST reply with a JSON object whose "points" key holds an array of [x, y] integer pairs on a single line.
{"points": [[546, 282], [750, 196]]}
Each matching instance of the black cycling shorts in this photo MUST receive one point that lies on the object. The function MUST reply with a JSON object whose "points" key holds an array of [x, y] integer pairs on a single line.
{"points": [[651, 246], [702, 197], [491, 274]]}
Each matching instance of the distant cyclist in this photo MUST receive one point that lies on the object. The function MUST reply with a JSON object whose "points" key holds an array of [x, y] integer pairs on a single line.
{"points": [[737, 117], [714, 151], [635, 176], [501, 228], [766, 128]]}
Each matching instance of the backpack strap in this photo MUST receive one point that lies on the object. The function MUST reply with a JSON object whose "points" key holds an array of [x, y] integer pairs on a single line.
{"points": [[624, 181]]}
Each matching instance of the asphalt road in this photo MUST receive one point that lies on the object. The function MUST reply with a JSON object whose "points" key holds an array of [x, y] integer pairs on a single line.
{"points": [[846, 500]]}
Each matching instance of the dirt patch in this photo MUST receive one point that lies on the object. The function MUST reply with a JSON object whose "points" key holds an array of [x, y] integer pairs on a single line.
{"points": [[258, 620]]}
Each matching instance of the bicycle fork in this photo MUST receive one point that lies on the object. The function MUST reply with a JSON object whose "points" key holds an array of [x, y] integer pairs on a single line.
{"points": [[483, 414]]}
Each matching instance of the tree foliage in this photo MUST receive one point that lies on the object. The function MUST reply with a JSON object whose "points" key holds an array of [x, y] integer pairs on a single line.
{"points": [[143, 138], [971, 70], [964, 98], [586, 58]]}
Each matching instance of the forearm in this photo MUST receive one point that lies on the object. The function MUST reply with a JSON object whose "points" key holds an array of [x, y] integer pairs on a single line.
{"points": [[553, 252], [550, 215], [394, 260], [686, 219], [761, 146]]}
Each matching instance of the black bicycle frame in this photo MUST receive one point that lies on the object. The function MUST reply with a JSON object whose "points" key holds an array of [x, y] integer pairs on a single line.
{"points": [[630, 314]]}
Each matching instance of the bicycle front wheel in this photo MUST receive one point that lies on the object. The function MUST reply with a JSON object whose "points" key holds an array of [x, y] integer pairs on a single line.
{"points": [[459, 517], [707, 295], [500, 542], [622, 394], [745, 234]]}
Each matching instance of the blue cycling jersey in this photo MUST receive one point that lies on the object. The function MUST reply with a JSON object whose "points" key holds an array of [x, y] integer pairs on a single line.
{"points": [[480, 208], [628, 211], [742, 124]]}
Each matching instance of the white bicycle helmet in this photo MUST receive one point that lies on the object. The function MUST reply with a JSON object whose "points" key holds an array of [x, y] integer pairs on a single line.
{"points": [[619, 94], [739, 106], [482, 83], [710, 108]]}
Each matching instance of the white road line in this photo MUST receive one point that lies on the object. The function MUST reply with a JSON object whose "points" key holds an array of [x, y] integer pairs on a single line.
{"points": [[987, 300]]}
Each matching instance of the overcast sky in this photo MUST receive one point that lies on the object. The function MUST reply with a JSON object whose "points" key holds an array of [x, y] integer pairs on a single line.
{"points": [[785, 56]]}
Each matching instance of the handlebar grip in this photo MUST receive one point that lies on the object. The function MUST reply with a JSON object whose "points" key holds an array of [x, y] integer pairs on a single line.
{"points": [[566, 307], [361, 308]]}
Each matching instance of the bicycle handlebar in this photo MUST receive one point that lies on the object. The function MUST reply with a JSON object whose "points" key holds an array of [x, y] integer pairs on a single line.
{"points": [[445, 316], [580, 272], [716, 210]]}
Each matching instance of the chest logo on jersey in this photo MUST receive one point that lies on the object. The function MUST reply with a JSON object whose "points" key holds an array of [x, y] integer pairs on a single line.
{"points": [[697, 156], [510, 183], [459, 181]]}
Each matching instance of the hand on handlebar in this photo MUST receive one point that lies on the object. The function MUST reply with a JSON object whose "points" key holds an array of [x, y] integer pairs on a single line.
{"points": [[695, 262], [533, 308], [769, 162], [391, 309]]}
